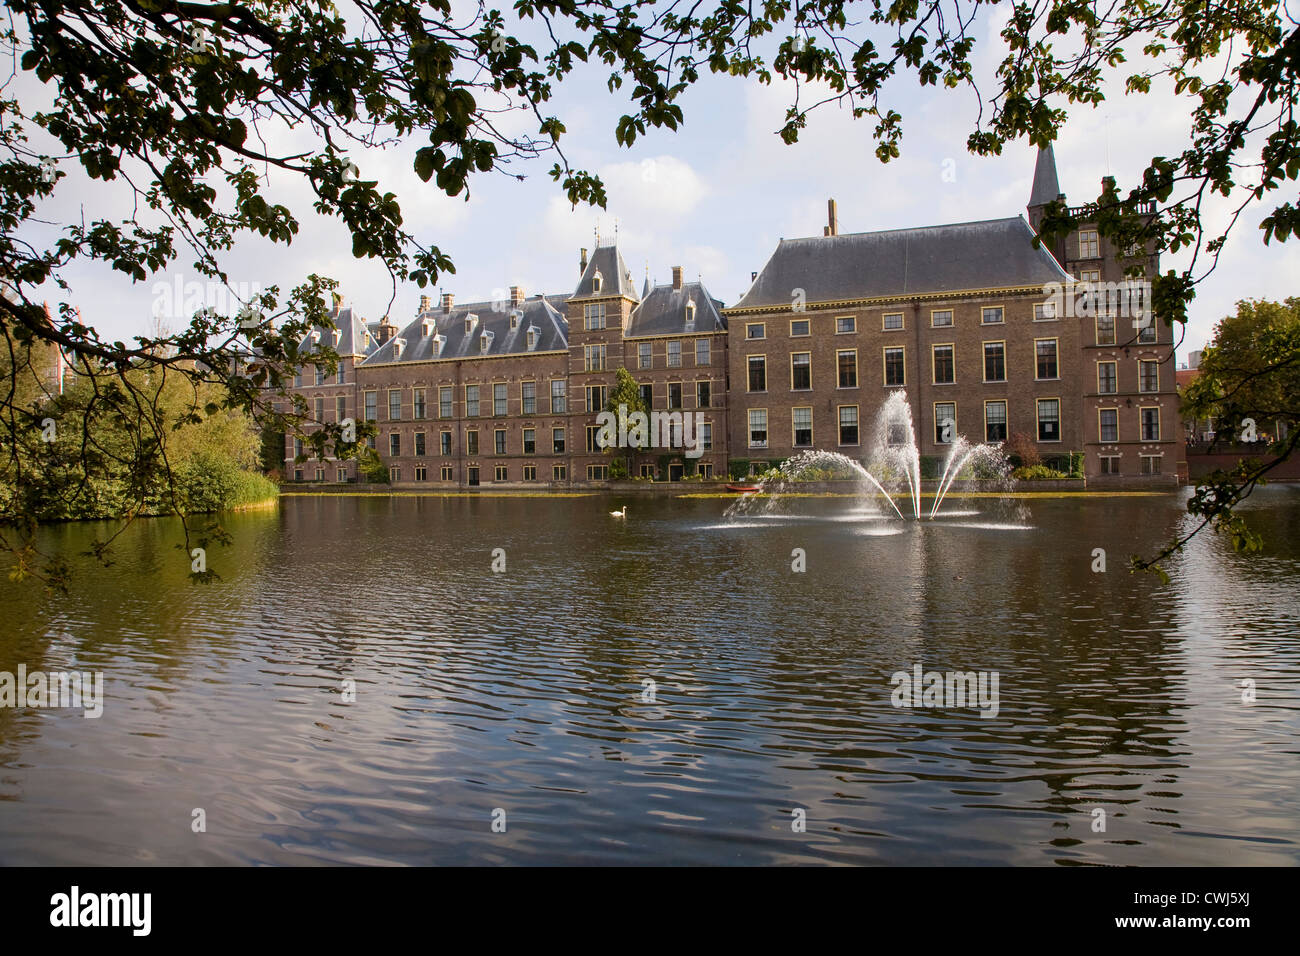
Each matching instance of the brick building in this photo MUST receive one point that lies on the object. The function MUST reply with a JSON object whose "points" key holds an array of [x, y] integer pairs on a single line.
{"points": [[985, 333]]}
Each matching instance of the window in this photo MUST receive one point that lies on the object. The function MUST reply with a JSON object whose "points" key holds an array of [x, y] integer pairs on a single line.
{"points": [[394, 404], [444, 444], [1106, 379], [593, 316], [499, 473], [499, 441], [444, 401], [703, 352], [471, 401], [945, 422], [944, 371], [647, 393], [675, 395], [372, 399], [1110, 464], [1105, 330], [1146, 327], [528, 398], [798, 328], [340, 408], [758, 373], [1088, 244], [995, 361], [530, 441], [557, 441], [419, 444], [675, 354], [705, 436], [320, 474], [803, 434], [1045, 355], [1148, 376], [559, 472], [647, 471], [756, 330], [991, 315], [559, 396], [995, 421], [892, 321], [597, 472], [421, 473], [418, 406], [500, 398], [1150, 464], [530, 472], [319, 406], [758, 428], [593, 358], [471, 442], [341, 475], [297, 383], [846, 365], [471, 476], [297, 472], [848, 424], [894, 367], [1150, 424], [341, 376], [801, 371], [1108, 424], [845, 324], [597, 280], [645, 355], [703, 396], [394, 445], [445, 473], [596, 397], [941, 318], [1049, 419], [395, 473], [320, 376], [1045, 312]]}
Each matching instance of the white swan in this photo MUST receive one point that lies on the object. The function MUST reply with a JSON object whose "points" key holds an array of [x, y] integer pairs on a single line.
{"points": [[619, 514]]}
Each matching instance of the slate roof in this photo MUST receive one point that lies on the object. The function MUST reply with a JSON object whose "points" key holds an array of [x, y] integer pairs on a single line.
{"points": [[1046, 188], [663, 312], [355, 337], [616, 279], [992, 254], [537, 312]]}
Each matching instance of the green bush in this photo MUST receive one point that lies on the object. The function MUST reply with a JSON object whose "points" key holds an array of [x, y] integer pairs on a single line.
{"points": [[738, 468], [932, 466], [372, 467], [1036, 472], [618, 469]]}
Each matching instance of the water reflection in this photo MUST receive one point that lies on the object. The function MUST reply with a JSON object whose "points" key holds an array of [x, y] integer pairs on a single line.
{"points": [[524, 690]]}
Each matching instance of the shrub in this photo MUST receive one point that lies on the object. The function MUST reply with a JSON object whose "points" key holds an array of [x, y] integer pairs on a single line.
{"points": [[1036, 472], [1023, 450], [618, 469], [372, 467]]}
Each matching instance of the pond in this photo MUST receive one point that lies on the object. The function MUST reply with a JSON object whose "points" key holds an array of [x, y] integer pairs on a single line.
{"points": [[681, 685]]}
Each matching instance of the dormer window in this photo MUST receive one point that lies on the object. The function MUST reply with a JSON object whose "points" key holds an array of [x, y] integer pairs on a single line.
{"points": [[485, 343], [338, 336], [398, 345], [514, 319], [427, 327], [315, 336], [438, 342], [532, 337], [597, 280], [690, 316], [471, 320]]}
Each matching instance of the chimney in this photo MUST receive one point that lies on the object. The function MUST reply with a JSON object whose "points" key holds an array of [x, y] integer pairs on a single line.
{"points": [[338, 301], [448, 299], [516, 295], [424, 304], [677, 277], [833, 220], [386, 330], [582, 263]]}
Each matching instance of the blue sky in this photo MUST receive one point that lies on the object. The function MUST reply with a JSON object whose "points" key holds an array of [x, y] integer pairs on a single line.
{"points": [[714, 197]]}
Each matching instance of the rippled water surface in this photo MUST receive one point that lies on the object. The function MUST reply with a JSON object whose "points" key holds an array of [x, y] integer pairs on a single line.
{"points": [[525, 691]]}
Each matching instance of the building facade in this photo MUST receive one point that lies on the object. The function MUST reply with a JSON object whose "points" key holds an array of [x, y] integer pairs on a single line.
{"points": [[989, 333]]}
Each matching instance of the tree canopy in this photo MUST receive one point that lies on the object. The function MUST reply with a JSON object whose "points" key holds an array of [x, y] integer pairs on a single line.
{"points": [[181, 104]]}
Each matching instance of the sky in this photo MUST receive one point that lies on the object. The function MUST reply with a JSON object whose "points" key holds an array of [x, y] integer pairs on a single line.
{"points": [[714, 197]]}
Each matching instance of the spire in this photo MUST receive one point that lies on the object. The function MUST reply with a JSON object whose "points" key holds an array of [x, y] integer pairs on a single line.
{"points": [[1046, 188], [645, 289]]}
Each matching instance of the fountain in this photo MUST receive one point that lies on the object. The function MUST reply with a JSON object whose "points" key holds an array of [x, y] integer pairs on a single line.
{"points": [[892, 465]]}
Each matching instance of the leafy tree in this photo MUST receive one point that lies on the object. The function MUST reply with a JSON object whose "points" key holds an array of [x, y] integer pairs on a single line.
{"points": [[624, 401], [188, 105], [1249, 382]]}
